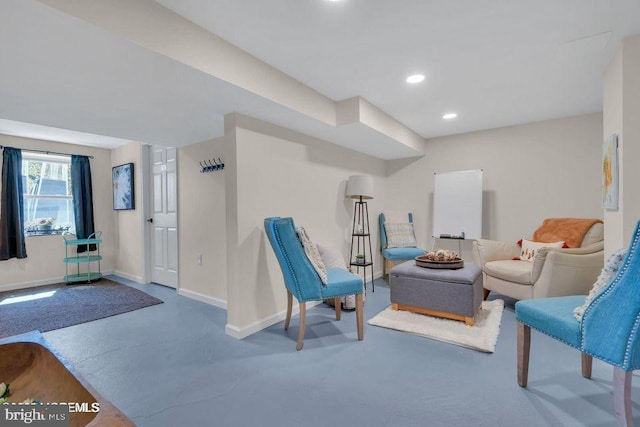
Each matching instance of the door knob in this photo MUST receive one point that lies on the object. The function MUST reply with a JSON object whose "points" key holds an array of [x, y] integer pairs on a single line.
{"points": [[150, 220]]}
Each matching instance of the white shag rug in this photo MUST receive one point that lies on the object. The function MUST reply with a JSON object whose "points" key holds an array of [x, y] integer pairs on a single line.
{"points": [[482, 336]]}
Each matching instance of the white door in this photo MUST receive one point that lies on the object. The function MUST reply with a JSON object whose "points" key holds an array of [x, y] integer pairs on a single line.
{"points": [[164, 217]]}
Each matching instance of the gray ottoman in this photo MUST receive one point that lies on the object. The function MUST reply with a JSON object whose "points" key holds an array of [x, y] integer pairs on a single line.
{"points": [[454, 294]]}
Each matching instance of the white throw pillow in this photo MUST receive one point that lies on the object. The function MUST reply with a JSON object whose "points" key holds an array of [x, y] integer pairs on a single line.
{"points": [[396, 217], [607, 274], [529, 248], [311, 250], [400, 235], [331, 257]]}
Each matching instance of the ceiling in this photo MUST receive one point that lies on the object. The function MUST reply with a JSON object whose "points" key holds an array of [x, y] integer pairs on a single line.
{"points": [[494, 62]]}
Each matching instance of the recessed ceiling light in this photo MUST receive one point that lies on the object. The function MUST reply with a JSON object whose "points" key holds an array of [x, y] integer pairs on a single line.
{"points": [[416, 78], [450, 116]]}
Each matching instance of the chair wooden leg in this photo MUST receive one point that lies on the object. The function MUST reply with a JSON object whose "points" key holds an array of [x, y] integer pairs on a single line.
{"points": [[587, 362], [303, 323], [485, 294], [524, 345], [384, 267], [622, 396], [338, 303], [359, 309], [389, 267], [289, 306]]}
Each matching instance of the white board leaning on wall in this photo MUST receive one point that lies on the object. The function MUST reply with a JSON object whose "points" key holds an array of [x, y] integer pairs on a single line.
{"points": [[457, 204]]}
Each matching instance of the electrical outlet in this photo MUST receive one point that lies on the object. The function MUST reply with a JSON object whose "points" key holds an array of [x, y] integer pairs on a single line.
{"points": [[199, 259]]}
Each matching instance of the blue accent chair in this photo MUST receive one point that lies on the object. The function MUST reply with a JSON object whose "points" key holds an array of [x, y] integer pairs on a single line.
{"points": [[303, 282], [609, 331], [391, 255]]}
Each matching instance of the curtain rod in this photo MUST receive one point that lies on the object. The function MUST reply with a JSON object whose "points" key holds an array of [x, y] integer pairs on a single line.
{"points": [[44, 151]]}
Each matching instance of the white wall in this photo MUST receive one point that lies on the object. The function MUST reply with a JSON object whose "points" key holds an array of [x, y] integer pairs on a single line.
{"points": [[202, 224], [613, 122], [129, 223], [43, 264], [621, 111], [276, 172], [531, 172]]}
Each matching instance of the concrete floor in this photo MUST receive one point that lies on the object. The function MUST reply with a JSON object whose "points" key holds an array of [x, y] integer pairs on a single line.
{"points": [[173, 365]]}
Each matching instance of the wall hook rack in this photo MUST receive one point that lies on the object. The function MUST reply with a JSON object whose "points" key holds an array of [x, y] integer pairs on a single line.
{"points": [[211, 165]]}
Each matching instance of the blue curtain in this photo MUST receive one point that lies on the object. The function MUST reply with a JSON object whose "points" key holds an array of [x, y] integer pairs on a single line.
{"points": [[12, 243], [81, 190]]}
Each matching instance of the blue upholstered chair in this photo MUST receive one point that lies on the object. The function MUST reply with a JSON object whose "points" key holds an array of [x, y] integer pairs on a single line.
{"points": [[609, 330], [301, 279], [390, 255]]}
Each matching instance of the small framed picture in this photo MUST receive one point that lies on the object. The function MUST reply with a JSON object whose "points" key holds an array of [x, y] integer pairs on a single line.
{"points": [[123, 187]]}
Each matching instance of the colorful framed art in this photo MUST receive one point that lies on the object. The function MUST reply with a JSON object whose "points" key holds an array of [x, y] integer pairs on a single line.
{"points": [[123, 187]]}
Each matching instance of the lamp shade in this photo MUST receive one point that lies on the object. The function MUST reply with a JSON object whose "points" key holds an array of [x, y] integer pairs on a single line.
{"points": [[360, 186]]}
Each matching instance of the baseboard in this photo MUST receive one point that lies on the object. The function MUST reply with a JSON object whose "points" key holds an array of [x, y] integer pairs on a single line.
{"points": [[216, 302], [376, 275], [45, 282], [240, 333], [128, 276], [30, 284]]}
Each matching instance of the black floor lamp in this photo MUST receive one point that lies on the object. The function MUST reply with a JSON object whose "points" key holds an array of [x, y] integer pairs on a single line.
{"points": [[360, 187]]}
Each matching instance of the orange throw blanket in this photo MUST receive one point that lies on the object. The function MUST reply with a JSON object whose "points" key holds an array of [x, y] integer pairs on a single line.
{"points": [[571, 230]]}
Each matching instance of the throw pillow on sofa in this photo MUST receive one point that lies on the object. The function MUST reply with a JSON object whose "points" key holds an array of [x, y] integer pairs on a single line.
{"points": [[607, 274], [529, 248]]}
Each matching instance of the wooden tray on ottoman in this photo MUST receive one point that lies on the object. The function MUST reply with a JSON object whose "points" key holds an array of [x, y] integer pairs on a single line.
{"points": [[423, 261]]}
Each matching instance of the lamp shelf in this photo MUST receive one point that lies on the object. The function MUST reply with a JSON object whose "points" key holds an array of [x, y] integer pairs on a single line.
{"points": [[360, 188], [365, 264]]}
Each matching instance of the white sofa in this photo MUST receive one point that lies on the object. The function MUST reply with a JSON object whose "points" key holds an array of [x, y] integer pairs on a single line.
{"points": [[553, 272]]}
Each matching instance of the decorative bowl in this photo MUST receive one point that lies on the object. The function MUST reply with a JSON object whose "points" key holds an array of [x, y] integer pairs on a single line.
{"points": [[423, 261]]}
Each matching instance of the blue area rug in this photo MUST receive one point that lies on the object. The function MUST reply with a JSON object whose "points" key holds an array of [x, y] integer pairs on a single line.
{"points": [[46, 308]]}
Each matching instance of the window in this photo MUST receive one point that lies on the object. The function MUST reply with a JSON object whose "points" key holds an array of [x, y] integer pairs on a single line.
{"points": [[48, 204]]}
